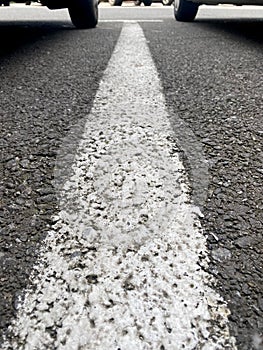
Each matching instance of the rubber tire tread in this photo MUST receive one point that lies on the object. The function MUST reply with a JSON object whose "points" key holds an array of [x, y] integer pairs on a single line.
{"points": [[84, 13], [186, 11]]}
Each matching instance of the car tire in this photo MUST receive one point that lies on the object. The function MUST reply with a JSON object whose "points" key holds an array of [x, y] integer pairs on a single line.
{"points": [[147, 2], [115, 2], [185, 11], [167, 2], [83, 13]]}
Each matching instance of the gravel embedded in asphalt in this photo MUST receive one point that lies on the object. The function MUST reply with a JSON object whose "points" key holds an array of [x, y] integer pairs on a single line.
{"points": [[121, 267], [43, 93], [212, 80]]}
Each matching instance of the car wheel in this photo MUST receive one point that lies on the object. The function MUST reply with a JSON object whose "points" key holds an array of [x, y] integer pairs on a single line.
{"points": [[167, 2], [84, 13], [147, 2], [137, 2], [185, 11], [115, 2]]}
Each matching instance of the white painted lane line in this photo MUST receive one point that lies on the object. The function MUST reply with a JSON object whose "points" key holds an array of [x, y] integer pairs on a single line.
{"points": [[121, 267]]}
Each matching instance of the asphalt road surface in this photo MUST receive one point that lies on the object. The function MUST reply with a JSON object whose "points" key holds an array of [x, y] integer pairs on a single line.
{"points": [[131, 180]]}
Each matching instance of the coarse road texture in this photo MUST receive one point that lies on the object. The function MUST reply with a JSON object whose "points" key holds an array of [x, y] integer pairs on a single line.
{"points": [[212, 81], [121, 266], [49, 77]]}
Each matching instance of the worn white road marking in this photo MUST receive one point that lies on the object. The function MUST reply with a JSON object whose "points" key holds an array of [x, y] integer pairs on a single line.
{"points": [[121, 267]]}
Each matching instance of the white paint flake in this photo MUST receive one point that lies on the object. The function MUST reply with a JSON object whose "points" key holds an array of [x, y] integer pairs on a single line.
{"points": [[121, 268]]}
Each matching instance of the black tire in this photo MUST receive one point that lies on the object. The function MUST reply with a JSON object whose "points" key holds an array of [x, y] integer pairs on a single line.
{"points": [[83, 13], [185, 11], [167, 2], [147, 2], [115, 2]]}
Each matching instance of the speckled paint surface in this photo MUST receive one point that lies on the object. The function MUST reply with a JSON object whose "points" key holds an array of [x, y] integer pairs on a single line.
{"points": [[124, 264]]}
